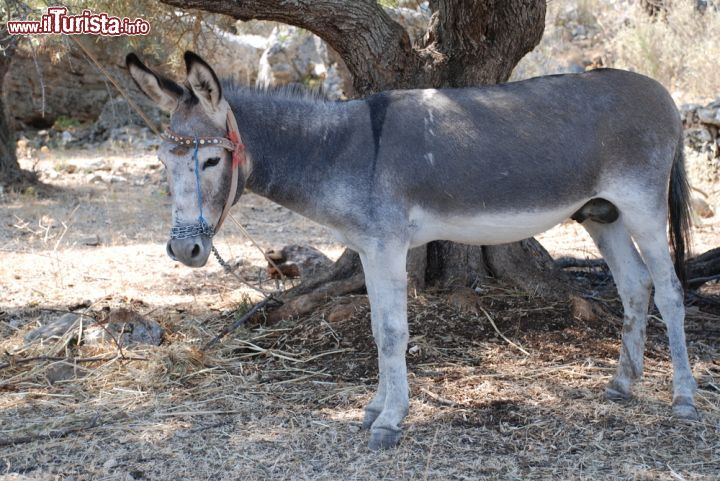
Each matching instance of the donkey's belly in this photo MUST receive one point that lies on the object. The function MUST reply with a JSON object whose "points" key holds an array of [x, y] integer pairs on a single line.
{"points": [[484, 228]]}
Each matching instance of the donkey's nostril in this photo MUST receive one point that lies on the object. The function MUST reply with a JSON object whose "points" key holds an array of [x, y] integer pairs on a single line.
{"points": [[169, 250], [195, 251]]}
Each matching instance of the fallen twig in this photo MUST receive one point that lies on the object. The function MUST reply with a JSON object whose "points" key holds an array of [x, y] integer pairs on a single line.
{"points": [[516, 346], [71, 359], [54, 434], [235, 325]]}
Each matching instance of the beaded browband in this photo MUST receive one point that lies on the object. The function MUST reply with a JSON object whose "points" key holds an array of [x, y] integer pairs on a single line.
{"points": [[223, 142]]}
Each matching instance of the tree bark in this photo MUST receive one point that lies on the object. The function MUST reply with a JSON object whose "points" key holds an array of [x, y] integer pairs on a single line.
{"points": [[10, 172], [468, 42], [703, 268], [9, 167]]}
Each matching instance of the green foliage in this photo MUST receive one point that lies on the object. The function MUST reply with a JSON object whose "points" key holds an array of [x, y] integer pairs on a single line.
{"points": [[66, 123]]}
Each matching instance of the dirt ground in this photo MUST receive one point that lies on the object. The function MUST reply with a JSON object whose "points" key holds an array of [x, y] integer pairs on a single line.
{"points": [[284, 401]]}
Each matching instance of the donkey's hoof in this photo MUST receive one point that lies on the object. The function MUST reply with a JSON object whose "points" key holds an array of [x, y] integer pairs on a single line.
{"points": [[617, 394], [381, 438], [369, 419], [683, 408]]}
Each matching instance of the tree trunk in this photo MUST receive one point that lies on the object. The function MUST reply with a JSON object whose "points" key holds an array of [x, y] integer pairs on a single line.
{"points": [[703, 268], [468, 42], [10, 172]]}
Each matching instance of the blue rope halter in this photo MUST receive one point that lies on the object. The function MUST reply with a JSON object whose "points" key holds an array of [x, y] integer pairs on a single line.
{"points": [[202, 228]]}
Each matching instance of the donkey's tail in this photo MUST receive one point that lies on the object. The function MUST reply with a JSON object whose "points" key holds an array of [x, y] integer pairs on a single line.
{"points": [[679, 212]]}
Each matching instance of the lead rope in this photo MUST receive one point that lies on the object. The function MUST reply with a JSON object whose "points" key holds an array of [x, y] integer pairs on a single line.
{"points": [[204, 228]]}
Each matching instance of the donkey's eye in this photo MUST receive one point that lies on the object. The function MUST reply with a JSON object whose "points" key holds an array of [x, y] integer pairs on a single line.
{"points": [[211, 162]]}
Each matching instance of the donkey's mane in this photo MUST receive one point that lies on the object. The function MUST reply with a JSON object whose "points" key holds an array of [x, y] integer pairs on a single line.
{"points": [[232, 89]]}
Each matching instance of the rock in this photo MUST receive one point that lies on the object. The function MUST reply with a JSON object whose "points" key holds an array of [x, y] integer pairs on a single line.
{"points": [[68, 85], [709, 116], [296, 56], [61, 371], [109, 178], [116, 114], [93, 241], [237, 56], [297, 261], [414, 20], [700, 206], [127, 327], [698, 137], [688, 113], [292, 56], [66, 137], [52, 174], [53, 329]]}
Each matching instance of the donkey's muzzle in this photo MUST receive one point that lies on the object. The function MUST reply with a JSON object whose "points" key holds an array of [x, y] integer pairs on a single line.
{"points": [[191, 251]]}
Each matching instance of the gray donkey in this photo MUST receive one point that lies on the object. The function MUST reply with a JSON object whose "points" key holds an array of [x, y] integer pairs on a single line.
{"points": [[482, 165]]}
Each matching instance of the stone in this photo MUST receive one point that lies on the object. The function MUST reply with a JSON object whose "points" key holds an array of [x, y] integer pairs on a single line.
{"points": [[297, 261], [709, 116], [116, 114], [688, 113], [93, 241], [53, 329], [66, 138], [236, 57], [127, 327], [700, 206], [61, 371], [67, 85], [698, 137], [414, 20], [293, 55]]}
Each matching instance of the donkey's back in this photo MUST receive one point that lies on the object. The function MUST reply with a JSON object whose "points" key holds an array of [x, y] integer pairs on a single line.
{"points": [[526, 145]]}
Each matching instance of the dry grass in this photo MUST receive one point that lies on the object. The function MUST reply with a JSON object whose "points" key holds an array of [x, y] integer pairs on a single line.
{"points": [[284, 401], [682, 51]]}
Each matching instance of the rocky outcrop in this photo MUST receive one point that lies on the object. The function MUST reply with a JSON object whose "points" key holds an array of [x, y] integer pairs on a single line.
{"points": [[702, 126], [296, 56], [117, 113], [236, 56], [43, 86]]}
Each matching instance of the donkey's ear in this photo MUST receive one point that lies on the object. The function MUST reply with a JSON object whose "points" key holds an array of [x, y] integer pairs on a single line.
{"points": [[160, 90], [202, 80]]}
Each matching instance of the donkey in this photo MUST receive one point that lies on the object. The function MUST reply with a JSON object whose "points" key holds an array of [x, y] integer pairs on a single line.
{"points": [[481, 165]]}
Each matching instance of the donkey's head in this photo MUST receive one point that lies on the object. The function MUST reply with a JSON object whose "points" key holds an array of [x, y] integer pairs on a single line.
{"points": [[200, 152]]}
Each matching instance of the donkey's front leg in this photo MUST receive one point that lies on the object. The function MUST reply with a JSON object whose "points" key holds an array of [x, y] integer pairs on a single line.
{"points": [[386, 282]]}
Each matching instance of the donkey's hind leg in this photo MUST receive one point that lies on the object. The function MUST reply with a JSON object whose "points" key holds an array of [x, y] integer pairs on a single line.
{"points": [[648, 227], [633, 284]]}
